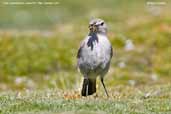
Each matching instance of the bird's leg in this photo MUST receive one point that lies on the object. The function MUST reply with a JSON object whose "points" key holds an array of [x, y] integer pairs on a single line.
{"points": [[87, 87], [104, 87]]}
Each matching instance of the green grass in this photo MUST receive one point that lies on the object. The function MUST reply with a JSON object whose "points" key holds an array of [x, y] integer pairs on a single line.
{"points": [[129, 100], [38, 71]]}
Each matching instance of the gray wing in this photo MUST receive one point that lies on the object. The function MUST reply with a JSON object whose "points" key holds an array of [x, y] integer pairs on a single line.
{"points": [[111, 51], [79, 53]]}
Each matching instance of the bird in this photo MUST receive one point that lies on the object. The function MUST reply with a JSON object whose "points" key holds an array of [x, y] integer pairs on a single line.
{"points": [[94, 56]]}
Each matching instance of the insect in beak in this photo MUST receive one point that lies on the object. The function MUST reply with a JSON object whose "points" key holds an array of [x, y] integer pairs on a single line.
{"points": [[90, 27], [93, 28]]}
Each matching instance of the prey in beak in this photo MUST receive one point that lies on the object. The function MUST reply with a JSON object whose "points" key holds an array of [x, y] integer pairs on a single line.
{"points": [[93, 27]]}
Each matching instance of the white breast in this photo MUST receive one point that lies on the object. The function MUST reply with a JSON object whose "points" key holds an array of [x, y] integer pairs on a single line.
{"points": [[104, 49], [100, 53]]}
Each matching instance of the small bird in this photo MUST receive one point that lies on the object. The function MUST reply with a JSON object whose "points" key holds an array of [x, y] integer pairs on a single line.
{"points": [[94, 56]]}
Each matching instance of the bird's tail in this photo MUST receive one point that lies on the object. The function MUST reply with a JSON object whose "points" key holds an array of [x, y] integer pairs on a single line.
{"points": [[89, 87]]}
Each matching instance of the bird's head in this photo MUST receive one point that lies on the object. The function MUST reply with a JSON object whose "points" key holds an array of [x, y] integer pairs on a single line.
{"points": [[98, 26]]}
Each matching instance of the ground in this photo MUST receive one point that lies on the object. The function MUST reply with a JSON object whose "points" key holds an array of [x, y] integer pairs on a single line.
{"points": [[122, 100], [38, 72]]}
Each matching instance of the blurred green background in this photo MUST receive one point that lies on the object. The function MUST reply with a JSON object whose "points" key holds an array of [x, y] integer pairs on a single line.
{"points": [[39, 43]]}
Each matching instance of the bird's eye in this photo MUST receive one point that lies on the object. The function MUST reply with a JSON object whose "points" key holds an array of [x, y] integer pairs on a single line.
{"points": [[102, 24]]}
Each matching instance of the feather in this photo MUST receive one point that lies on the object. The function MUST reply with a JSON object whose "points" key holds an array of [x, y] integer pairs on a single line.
{"points": [[93, 38]]}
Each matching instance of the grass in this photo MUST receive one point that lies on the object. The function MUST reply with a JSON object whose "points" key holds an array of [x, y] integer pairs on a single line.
{"points": [[38, 71], [129, 100]]}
